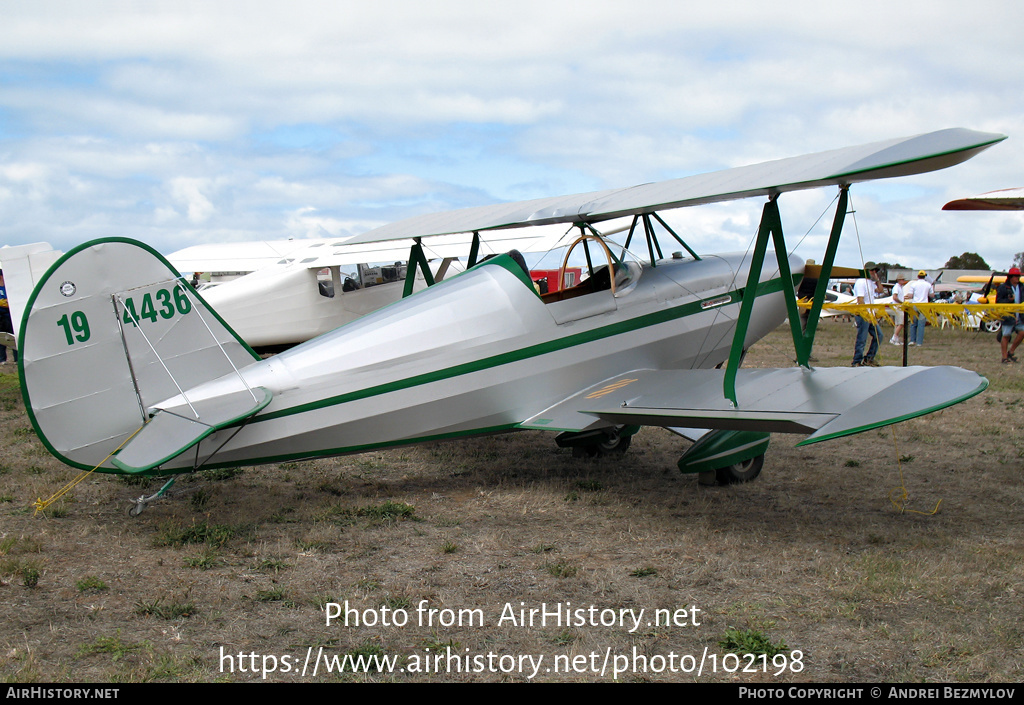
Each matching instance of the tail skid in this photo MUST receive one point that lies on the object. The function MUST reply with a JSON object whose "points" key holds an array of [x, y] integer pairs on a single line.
{"points": [[111, 330]]}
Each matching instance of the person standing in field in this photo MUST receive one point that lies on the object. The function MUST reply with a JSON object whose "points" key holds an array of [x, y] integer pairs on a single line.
{"points": [[920, 292], [898, 295], [5, 319], [1011, 292], [866, 290]]}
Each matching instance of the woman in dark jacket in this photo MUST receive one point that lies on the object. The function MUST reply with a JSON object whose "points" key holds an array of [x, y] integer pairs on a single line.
{"points": [[1011, 292]]}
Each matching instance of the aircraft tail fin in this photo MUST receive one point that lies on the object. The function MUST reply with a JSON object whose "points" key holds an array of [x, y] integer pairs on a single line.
{"points": [[110, 330]]}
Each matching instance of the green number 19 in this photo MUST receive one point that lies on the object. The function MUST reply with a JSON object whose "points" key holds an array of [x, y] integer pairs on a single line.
{"points": [[75, 329]]}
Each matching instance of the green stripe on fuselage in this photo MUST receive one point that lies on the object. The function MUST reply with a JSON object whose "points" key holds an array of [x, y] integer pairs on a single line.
{"points": [[569, 341]]}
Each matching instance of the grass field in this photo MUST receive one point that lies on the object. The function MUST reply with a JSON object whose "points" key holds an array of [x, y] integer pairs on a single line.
{"points": [[815, 564]]}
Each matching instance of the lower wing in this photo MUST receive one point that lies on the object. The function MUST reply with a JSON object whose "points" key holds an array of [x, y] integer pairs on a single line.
{"points": [[825, 402]]}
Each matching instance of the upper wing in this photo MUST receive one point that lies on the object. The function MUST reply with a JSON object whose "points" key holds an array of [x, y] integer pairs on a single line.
{"points": [[878, 160], [826, 402]]}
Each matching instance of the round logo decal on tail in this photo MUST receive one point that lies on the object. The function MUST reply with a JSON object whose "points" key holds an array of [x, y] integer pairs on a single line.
{"points": [[68, 289]]}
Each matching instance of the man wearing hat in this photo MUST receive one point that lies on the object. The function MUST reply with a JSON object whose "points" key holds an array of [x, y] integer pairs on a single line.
{"points": [[1011, 292], [919, 291], [866, 289]]}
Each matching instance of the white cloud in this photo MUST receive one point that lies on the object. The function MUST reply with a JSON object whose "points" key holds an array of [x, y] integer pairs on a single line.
{"points": [[173, 121], [189, 192]]}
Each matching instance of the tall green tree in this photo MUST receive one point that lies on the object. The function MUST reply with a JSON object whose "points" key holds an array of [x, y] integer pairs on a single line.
{"points": [[968, 260]]}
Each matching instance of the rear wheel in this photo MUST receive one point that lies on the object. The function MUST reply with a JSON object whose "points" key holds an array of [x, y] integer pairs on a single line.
{"points": [[611, 443], [740, 472]]}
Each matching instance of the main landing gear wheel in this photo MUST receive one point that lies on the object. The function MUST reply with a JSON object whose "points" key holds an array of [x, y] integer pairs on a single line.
{"points": [[740, 472], [611, 443]]}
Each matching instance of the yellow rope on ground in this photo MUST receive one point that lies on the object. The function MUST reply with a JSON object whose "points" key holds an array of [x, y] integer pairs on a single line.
{"points": [[901, 503], [40, 504]]}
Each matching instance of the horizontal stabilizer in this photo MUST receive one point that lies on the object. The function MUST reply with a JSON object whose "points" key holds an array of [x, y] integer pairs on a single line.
{"points": [[168, 434], [826, 402]]}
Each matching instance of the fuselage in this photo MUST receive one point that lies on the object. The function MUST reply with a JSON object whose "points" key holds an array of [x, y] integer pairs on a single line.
{"points": [[481, 353]]}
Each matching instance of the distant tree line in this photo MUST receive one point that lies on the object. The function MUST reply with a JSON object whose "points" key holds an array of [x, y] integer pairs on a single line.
{"points": [[886, 266], [968, 260]]}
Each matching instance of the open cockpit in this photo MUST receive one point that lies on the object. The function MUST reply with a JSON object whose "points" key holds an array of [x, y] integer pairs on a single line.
{"points": [[615, 274]]}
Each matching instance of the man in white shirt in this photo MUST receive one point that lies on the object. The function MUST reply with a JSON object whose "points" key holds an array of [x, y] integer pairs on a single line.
{"points": [[866, 289], [898, 295], [919, 291]]}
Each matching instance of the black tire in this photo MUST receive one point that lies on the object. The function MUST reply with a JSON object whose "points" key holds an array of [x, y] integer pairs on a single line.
{"points": [[612, 444], [740, 472]]}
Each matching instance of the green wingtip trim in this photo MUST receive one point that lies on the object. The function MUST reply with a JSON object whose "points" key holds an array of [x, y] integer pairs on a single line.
{"points": [[977, 146], [889, 422]]}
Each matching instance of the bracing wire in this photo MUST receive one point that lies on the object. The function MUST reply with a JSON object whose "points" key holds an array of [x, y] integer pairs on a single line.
{"points": [[856, 230], [775, 348]]}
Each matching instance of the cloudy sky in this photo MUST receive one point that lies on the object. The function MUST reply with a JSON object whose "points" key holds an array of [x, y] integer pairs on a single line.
{"points": [[180, 123]]}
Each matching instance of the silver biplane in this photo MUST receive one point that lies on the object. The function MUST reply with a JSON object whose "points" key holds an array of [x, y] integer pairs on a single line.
{"points": [[127, 369]]}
